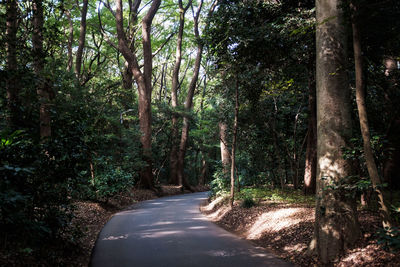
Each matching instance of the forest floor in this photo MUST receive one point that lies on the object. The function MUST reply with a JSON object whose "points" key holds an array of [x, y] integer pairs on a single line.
{"points": [[286, 229]]}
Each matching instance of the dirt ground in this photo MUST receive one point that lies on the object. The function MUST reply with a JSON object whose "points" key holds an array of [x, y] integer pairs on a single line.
{"points": [[287, 229]]}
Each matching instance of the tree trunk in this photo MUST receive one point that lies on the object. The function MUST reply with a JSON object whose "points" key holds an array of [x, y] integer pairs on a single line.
{"points": [[70, 40], [310, 170], [143, 81], [363, 117], [188, 104], [233, 160], [391, 168], [336, 224], [12, 86], [204, 170], [43, 89], [225, 156], [82, 37], [173, 158]]}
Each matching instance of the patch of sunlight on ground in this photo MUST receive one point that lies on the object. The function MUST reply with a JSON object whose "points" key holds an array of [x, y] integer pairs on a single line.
{"points": [[295, 248], [197, 227], [275, 221], [159, 234], [218, 214], [111, 237], [213, 204]]}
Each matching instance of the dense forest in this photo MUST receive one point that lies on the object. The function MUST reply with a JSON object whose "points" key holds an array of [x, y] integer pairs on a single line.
{"points": [[98, 97]]}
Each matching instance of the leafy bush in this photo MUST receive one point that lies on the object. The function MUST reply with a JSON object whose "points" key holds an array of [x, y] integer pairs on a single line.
{"points": [[248, 202], [389, 238], [111, 181], [220, 183]]}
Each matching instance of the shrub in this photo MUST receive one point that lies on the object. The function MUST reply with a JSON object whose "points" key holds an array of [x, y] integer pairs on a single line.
{"points": [[248, 202]]}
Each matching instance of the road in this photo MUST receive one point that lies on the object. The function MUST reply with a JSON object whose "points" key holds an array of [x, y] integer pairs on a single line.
{"points": [[171, 232]]}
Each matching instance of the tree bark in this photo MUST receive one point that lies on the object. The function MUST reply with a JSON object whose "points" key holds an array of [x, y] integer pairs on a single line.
{"points": [[70, 40], [173, 158], [336, 224], [12, 86], [43, 90], [310, 170], [233, 160], [225, 156], [82, 37], [363, 117], [189, 102], [143, 81], [391, 168]]}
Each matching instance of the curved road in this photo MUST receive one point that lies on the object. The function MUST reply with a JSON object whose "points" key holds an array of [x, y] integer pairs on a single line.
{"points": [[172, 232]]}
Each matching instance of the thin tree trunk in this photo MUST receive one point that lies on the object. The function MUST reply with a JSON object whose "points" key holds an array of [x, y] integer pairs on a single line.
{"points": [[12, 86], [310, 171], [43, 90], [363, 117], [70, 40], [336, 224], [82, 37], [204, 169], [233, 160], [173, 158], [225, 155]]}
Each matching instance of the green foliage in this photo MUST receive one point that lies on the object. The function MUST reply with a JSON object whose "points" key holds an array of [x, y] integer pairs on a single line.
{"points": [[109, 182], [248, 202], [290, 196], [389, 238], [220, 184]]}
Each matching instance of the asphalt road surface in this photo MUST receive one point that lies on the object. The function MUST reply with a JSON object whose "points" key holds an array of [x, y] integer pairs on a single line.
{"points": [[172, 232]]}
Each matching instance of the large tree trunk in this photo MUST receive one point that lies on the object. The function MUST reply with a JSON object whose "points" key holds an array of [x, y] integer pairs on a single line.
{"points": [[362, 114], [82, 37], [310, 170], [43, 89], [336, 224], [143, 81], [173, 158], [233, 161], [12, 86]]}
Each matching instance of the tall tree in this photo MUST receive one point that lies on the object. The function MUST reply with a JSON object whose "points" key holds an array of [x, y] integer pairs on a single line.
{"points": [[225, 156], [43, 89], [142, 78], [363, 117], [12, 63], [82, 38], [310, 168], [173, 159], [234, 139], [336, 224], [189, 102]]}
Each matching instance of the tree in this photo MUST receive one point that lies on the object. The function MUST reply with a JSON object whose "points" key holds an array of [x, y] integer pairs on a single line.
{"points": [[142, 78], [363, 118], [43, 88], [173, 159], [12, 63], [336, 224], [82, 37]]}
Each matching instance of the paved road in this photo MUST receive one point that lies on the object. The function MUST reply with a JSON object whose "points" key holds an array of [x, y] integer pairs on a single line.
{"points": [[172, 232]]}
